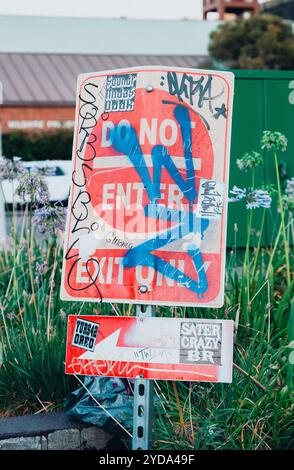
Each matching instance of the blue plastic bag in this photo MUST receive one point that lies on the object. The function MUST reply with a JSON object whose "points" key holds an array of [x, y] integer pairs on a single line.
{"points": [[111, 392]]}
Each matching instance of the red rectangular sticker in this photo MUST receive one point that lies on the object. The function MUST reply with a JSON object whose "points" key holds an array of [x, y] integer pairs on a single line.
{"points": [[153, 348]]}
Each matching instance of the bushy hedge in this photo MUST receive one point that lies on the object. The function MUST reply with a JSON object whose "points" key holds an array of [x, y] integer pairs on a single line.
{"points": [[259, 42], [55, 145]]}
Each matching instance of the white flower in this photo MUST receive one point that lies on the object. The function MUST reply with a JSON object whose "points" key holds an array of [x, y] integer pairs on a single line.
{"points": [[274, 140], [10, 168], [290, 188], [249, 161], [237, 194], [258, 198]]}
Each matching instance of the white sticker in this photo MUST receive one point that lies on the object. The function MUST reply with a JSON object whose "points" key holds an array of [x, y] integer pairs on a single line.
{"points": [[85, 334], [210, 199]]}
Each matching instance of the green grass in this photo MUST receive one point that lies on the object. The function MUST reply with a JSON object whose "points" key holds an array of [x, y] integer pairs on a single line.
{"points": [[257, 410], [254, 412]]}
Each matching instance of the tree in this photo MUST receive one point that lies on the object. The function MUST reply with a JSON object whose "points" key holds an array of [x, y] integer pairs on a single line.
{"points": [[260, 42]]}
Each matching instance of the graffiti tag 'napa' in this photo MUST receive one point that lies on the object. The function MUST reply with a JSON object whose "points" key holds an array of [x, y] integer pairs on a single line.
{"points": [[190, 88], [188, 222]]}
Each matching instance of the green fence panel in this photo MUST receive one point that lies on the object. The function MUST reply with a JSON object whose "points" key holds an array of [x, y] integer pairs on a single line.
{"points": [[264, 100], [279, 115], [246, 131]]}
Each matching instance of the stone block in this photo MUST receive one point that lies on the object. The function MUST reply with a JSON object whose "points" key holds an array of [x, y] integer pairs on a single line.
{"points": [[67, 439], [44, 443], [93, 438], [21, 443]]}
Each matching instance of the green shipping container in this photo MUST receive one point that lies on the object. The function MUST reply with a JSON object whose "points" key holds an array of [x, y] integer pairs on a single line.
{"points": [[264, 100]]}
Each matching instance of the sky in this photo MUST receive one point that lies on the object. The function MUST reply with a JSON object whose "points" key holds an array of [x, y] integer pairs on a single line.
{"points": [[149, 9]]}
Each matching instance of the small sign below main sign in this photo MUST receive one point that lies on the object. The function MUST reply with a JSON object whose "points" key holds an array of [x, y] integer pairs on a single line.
{"points": [[152, 348]]}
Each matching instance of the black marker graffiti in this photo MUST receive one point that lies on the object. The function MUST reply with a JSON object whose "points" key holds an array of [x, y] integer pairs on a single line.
{"points": [[87, 112], [80, 207], [210, 199], [185, 86]]}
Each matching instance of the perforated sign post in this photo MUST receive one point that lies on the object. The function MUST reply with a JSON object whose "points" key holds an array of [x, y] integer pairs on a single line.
{"points": [[148, 205]]}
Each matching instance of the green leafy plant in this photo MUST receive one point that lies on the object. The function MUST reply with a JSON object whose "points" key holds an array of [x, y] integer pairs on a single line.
{"points": [[55, 145], [254, 412], [276, 142]]}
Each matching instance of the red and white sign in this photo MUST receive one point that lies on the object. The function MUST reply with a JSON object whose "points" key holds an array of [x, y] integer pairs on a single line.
{"points": [[148, 205], [153, 348]]}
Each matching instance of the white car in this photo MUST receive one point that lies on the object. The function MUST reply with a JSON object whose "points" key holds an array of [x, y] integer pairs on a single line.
{"points": [[58, 181]]}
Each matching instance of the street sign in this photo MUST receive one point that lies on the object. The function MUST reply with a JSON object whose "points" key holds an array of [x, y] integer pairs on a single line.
{"points": [[148, 205], [149, 347]]}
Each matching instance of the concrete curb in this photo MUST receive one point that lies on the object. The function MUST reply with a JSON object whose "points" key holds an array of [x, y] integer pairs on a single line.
{"points": [[54, 431]]}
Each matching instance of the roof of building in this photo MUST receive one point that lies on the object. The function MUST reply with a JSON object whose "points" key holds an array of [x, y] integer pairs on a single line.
{"points": [[57, 35], [41, 57], [50, 79]]}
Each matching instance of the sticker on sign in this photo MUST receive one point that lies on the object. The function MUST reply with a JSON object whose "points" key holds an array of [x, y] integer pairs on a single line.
{"points": [[148, 205], [85, 334], [152, 348]]}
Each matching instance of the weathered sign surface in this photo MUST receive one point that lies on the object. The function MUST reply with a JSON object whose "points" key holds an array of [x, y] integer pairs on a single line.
{"points": [[148, 205], [153, 348]]}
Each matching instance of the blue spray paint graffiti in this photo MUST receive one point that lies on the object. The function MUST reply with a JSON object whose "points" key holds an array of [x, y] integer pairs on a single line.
{"points": [[125, 140]]}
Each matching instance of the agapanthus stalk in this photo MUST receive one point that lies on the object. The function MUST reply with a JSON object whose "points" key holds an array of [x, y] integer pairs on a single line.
{"points": [[259, 244], [277, 142], [273, 252], [281, 206], [247, 258]]}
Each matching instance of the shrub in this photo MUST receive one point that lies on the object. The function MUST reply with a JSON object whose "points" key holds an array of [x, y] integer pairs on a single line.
{"points": [[55, 145], [262, 42]]}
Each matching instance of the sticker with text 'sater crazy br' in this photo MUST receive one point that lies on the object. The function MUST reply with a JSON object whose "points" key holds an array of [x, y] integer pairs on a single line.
{"points": [[148, 204]]}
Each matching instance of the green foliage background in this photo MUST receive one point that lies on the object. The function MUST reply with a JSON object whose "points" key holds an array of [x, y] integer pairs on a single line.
{"points": [[262, 42], [55, 145]]}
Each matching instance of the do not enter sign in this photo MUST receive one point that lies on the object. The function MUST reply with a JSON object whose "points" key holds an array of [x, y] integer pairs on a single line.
{"points": [[147, 211]]}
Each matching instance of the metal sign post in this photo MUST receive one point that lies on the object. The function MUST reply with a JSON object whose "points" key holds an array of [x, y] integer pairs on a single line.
{"points": [[147, 348], [143, 400]]}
